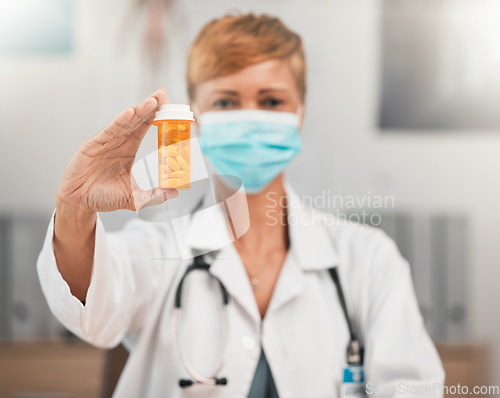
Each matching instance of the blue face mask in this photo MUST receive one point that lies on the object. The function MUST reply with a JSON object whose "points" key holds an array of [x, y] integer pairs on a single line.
{"points": [[254, 145]]}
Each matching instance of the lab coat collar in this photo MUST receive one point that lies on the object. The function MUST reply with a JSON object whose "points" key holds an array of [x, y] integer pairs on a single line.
{"points": [[311, 242], [311, 249], [310, 239], [208, 228]]}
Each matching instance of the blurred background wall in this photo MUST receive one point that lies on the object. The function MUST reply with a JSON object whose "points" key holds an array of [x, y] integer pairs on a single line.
{"points": [[50, 103]]}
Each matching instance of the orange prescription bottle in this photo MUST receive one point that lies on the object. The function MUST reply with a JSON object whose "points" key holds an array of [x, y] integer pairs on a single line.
{"points": [[174, 145]]}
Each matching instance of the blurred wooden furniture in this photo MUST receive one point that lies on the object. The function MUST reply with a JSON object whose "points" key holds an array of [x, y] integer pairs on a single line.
{"points": [[50, 369], [114, 364], [466, 364], [76, 370]]}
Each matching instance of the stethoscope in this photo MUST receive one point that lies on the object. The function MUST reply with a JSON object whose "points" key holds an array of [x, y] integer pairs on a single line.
{"points": [[200, 264], [354, 352], [354, 348]]}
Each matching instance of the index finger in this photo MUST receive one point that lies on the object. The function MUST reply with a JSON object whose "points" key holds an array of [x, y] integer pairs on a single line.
{"points": [[132, 117], [145, 112]]}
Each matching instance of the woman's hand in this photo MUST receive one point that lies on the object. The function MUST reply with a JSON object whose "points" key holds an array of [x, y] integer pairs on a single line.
{"points": [[98, 177]]}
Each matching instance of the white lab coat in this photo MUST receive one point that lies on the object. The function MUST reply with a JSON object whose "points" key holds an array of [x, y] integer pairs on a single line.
{"points": [[304, 333]]}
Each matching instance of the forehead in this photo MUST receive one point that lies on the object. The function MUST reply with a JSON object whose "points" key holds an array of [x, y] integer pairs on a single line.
{"points": [[274, 73]]}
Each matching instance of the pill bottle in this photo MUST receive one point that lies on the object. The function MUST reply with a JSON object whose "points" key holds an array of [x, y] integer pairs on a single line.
{"points": [[174, 145]]}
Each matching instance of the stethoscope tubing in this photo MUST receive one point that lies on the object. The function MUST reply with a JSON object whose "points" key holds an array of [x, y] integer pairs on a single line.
{"points": [[200, 264], [185, 361]]}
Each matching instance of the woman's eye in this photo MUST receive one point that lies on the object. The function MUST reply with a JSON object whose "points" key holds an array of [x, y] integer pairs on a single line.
{"points": [[272, 102], [224, 103]]}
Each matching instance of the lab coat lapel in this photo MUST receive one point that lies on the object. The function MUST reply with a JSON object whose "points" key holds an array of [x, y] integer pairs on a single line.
{"points": [[209, 232], [311, 249], [310, 238], [229, 268], [289, 285]]}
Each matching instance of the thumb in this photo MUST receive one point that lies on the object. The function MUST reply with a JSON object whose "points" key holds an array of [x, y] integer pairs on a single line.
{"points": [[152, 197]]}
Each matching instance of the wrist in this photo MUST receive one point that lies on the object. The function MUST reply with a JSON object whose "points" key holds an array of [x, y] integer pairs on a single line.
{"points": [[74, 218]]}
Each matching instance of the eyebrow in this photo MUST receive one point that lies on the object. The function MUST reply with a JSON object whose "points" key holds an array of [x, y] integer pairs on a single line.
{"points": [[235, 93], [267, 90], [228, 92]]}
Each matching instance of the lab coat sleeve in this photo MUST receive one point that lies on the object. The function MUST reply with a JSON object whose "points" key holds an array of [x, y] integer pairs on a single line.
{"points": [[118, 293], [400, 358]]}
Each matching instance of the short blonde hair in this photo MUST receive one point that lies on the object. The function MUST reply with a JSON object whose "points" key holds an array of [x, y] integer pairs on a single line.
{"points": [[231, 43]]}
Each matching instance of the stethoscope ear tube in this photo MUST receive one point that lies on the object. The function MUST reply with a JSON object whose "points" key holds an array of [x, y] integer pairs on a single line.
{"points": [[200, 264]]}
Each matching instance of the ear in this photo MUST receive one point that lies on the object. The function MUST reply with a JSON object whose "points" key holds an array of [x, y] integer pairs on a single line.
{"points": [[196, 111], [301, 110]]}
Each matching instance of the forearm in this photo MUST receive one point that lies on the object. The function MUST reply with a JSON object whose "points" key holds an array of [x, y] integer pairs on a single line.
{"points": [[116, 292], [73, 242]]}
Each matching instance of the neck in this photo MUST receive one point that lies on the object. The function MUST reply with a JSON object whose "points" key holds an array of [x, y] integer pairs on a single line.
{"points": [[267, 213]]}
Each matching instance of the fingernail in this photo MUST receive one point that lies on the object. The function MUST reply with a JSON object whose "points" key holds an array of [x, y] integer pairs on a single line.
{"points": [[169, 193], [173, 194]]}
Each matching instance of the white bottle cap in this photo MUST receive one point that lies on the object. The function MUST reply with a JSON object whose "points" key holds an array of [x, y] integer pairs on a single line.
{"points": [[174, 112]]}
